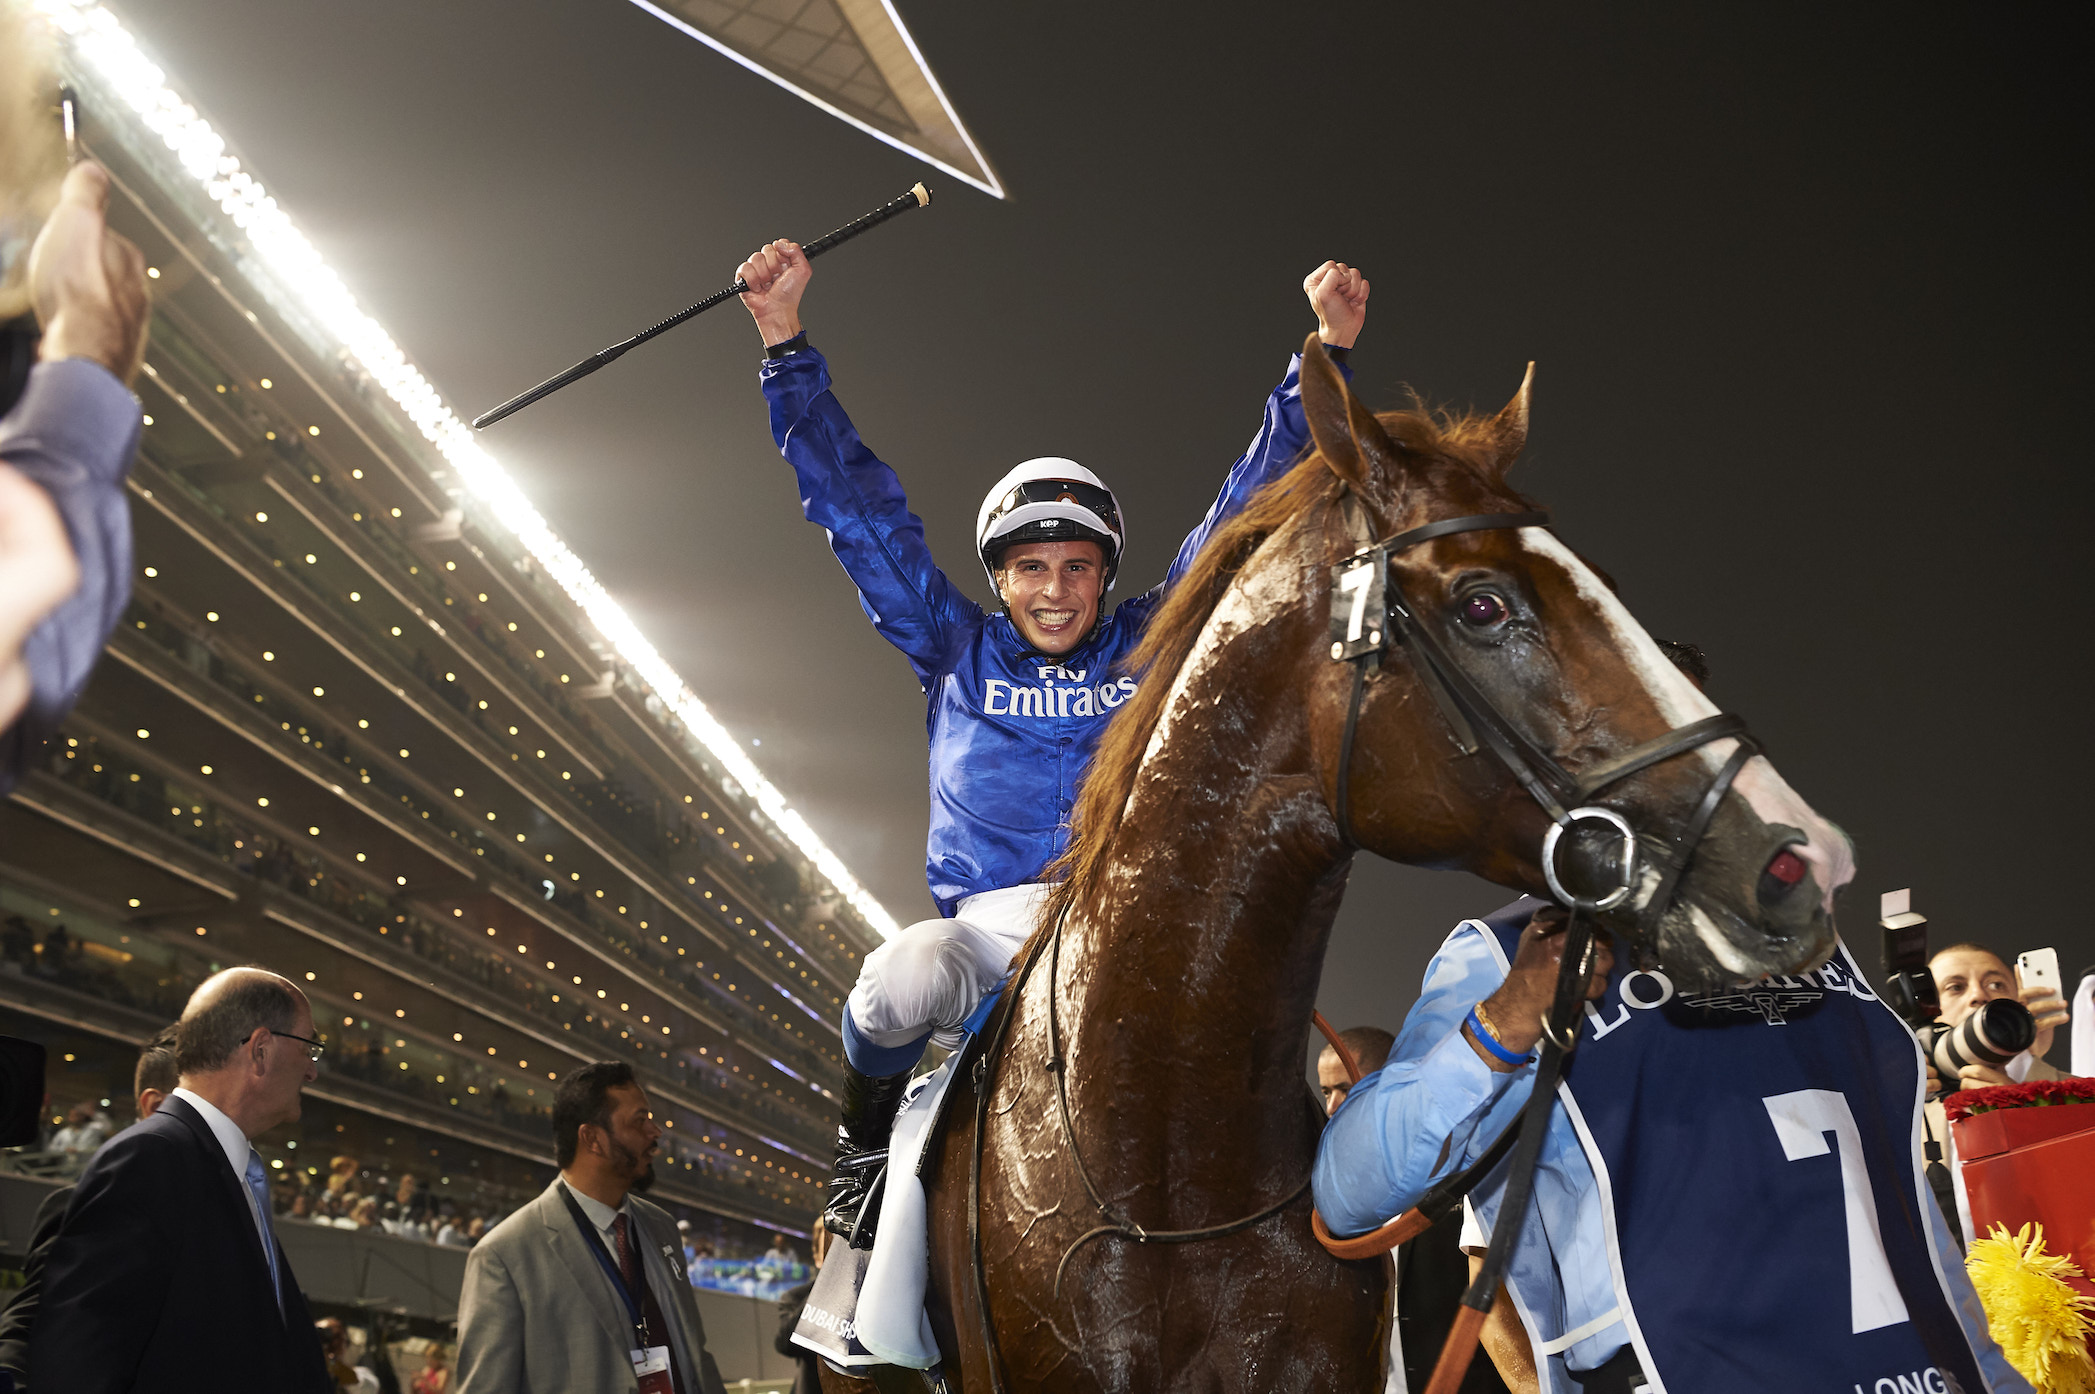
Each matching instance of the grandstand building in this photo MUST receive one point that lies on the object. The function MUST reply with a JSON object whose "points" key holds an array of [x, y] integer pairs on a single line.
{"points": [[360, 726]]}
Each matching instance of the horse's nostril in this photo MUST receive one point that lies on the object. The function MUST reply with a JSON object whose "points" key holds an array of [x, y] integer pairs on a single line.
{"points": [[1787, 869]]}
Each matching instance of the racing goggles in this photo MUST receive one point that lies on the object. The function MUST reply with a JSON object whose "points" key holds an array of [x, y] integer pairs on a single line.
{"points": [[1088, 497]]}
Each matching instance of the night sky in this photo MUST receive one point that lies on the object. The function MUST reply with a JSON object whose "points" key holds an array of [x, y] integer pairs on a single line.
{"points": [[1808, 292]]}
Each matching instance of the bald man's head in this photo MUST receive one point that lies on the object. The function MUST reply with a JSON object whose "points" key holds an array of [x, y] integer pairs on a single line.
{"points": [[228, 1008]]}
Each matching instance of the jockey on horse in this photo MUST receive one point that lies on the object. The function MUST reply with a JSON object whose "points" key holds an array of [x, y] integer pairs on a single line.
{"points": [[1017, 697]]}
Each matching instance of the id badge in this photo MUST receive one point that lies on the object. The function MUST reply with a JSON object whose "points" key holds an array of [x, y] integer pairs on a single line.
{"points": [[651, 1368]]}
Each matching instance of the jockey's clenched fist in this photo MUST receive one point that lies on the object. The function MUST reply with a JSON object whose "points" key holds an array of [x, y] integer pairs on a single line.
{"points": [[777, 275], [1339, 294]]}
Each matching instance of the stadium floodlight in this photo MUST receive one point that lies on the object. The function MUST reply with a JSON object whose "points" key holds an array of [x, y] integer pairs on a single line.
{"points": [[102, 46]]}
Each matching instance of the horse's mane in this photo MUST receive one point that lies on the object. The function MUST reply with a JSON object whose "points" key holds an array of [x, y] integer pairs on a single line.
{"points": [[1437, 442]]}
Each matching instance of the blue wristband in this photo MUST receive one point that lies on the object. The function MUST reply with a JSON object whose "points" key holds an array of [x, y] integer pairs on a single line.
{"points": [[1490, 1042]]}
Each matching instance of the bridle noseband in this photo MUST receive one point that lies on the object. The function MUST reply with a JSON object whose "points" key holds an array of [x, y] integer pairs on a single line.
{"points": [[1370, 613]]}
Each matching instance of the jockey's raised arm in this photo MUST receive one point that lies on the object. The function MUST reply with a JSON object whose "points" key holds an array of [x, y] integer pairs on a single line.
{"points": [[1339, 295], [1017, 696]]}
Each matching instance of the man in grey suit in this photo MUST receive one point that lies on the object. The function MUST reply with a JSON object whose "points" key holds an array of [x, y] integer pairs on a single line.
{"points": [[583, 1290]]}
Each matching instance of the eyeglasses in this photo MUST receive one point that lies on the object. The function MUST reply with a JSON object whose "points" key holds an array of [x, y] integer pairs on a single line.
{"points": [[314, 1049]]}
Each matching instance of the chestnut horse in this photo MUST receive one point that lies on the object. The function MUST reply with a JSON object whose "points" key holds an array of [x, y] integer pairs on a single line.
{"points": [[1207, 864]]}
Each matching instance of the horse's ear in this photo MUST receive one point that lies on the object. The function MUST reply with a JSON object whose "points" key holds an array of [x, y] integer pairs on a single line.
{"points": [[1346, 433], [1325, 398], [1509, 429]]}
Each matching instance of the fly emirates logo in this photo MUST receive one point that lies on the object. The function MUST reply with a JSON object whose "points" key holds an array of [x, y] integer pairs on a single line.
{"points": [[1062, 693]]}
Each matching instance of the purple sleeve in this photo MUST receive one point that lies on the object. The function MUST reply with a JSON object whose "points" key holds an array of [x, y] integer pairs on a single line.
{"points": [[74, 432]]}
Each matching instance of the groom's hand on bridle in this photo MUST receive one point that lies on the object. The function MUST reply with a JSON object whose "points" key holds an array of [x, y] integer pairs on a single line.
{"points": [[1517, 1008]]}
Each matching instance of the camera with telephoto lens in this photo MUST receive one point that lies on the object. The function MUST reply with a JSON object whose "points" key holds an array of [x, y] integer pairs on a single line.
{"points": [[1995, 1032]]}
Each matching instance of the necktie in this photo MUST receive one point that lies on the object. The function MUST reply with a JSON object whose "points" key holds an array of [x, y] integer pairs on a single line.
{"points": [[258, 1187], [650, 1310]]}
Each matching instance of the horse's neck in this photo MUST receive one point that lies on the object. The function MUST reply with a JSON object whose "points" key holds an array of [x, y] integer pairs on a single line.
{"points": [[1196, 964]]}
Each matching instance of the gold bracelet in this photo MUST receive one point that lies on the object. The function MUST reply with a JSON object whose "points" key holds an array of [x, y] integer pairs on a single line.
{"points": [[1484, 1020]]}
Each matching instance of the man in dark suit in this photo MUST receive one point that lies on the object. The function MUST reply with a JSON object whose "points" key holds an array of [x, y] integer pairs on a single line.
{"points": [[151, 1083], [167, 1277]]}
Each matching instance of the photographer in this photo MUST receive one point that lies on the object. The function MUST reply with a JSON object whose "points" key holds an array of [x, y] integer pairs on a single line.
{"points": [[1967, 976]]}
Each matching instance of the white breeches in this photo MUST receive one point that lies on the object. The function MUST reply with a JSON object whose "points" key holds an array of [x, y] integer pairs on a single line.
{"points": [[933, 974]]}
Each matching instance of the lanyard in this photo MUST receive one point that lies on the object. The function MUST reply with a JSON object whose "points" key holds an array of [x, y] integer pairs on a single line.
{"points": [[603, 1258]]}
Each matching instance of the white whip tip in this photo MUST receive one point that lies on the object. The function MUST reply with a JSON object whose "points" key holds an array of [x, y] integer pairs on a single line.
{"points": [[923, 195]]}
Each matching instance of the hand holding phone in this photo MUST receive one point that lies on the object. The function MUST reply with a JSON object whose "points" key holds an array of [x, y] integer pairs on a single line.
{"points": [[2037, 976]]}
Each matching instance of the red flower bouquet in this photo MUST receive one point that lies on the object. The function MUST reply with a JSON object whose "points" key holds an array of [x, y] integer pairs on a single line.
{"points": [[1970, 1103]]}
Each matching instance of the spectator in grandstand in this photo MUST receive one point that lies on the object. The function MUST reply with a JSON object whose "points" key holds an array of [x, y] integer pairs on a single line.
{"points": [[65, 447], [365, 1215], [580, 1289], [17, 943], [780, 1254], [152, 1081], [168, 1264], [341, 1176], [86, 1128], [413, 1199], [435, 1377]]}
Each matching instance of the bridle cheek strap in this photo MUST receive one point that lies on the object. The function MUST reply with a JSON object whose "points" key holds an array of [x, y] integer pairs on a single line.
{"points": [[1369, 611]]}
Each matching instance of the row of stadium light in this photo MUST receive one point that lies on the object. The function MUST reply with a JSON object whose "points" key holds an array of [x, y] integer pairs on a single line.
{"points": [[101, 44]]}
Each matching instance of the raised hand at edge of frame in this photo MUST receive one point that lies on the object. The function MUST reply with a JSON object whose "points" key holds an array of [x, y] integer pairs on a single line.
{"points": [[37, 571], [777, 274], [88, 282]]}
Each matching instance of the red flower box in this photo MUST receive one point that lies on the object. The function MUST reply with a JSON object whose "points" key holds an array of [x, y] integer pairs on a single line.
{"points": [[2024, 1162]]}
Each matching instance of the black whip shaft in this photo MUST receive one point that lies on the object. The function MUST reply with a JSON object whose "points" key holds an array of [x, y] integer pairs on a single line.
{"points": [[917, 197]]}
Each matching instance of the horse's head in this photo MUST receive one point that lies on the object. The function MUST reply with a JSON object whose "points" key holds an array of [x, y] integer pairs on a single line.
{"points": [[1539, 639]]}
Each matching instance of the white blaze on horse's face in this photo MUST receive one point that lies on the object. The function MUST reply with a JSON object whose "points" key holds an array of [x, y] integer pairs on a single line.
{"points": [[1825, 851]]}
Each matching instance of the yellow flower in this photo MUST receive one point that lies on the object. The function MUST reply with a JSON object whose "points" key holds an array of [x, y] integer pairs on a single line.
{"points": [[2040, 1322]]}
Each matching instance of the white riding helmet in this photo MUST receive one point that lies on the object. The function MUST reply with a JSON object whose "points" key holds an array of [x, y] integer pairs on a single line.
{"points": [[1050, 500]]}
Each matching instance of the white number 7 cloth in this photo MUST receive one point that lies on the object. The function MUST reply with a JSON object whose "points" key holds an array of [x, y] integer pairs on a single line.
{"points": [[1802, 1120]]}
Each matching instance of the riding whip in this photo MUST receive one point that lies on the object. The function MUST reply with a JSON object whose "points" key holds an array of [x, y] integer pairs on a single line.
{"points": [[917, 197]]}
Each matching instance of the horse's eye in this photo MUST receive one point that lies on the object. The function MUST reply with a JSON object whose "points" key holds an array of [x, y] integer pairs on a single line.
{"points": [[1483, 609]]}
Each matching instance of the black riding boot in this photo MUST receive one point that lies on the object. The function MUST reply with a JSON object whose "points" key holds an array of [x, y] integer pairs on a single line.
{"points": [[869, 1117]]}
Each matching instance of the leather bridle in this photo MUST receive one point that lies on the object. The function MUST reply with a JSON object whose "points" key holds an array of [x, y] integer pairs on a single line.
{"points": [[1370, 613]]}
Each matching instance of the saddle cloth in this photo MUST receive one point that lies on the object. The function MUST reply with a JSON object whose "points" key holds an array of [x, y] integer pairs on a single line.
{"points": [[867, 1308]]}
